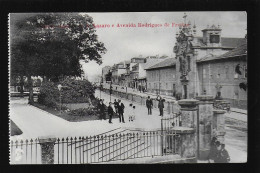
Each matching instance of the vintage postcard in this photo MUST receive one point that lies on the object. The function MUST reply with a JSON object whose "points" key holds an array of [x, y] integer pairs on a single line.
{"points": [[128, 88]]}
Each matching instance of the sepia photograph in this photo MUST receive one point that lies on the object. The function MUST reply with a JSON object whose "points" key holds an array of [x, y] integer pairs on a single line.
{"points": [[128, 87]]}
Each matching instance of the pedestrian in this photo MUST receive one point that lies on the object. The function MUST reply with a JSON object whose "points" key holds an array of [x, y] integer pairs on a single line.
{"points": [[130, 115], [222, 155], [213, 150], [133, 113], [149, 105], [121, 108], [116, 106], [102, 110], [160, 104], [110, 112]]}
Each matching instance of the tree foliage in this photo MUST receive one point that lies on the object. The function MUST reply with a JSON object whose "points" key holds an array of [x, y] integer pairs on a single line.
{"points": [[52, 44]]}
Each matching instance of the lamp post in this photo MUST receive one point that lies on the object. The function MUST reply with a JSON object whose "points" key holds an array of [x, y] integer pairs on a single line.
{"points": [[59, 88], [110, 90]]}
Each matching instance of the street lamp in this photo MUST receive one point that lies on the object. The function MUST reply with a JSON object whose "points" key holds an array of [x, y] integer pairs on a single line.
{"points": [[59, 88], [110, 91]]}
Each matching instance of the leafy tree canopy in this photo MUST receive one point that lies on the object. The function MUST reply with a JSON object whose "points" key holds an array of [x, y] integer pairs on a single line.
{"points": [[52, 44]]}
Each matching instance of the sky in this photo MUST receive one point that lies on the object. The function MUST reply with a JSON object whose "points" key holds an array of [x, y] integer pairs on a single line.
{"points": [[123, 43]]}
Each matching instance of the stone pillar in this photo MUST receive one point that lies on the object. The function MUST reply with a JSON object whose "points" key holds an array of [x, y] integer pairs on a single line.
{"points": [[205, 105], [186, 143], [47, 148], [218, 125], [189, 117]]}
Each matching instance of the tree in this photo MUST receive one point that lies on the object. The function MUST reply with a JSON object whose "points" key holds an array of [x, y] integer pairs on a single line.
{"points": [[51, 45]]}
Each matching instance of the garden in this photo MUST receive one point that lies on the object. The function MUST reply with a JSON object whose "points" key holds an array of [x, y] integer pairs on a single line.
{"points": [[73, 100]]}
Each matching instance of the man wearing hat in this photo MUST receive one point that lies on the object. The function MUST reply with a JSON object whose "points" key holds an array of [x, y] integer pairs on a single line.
{"points": [[149, 105], [121, 108], [221, 155], [110, 112], [101, 108]]}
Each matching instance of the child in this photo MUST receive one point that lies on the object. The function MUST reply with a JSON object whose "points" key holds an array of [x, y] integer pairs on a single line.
{"points": [[130, 112], [133, 113]]}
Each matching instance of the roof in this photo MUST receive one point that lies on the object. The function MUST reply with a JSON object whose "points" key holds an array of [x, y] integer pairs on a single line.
{"points": [[165, 63], [239, 51], [150, 63], [226, 42]]}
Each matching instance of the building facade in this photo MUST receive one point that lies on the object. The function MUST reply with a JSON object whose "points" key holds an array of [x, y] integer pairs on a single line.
{"points": [[226, 74], [206, 65], [161, 78]]}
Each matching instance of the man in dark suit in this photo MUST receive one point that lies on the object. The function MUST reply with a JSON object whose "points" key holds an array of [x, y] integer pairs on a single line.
{"points": [[110, 112], [121, 108], [149, 105], [116, 106], [102, 110], [160, 104]]}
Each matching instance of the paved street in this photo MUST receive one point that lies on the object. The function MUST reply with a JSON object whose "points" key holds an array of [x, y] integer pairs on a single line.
{"points": [[35, 122]]}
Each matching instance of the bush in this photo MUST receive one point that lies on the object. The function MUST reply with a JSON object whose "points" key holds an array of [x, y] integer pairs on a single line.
{"points": [[74, 91], [84, 112]]}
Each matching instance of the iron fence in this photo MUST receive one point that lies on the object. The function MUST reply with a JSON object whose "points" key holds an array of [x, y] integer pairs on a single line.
{"points": [[119, 146], [99, 148], [25, 152], [170, 121]]}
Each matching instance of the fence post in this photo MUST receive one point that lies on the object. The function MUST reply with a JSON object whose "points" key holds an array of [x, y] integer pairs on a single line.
{"points": [[205, 105], [47, 149], [218, 125], [190, 118]]}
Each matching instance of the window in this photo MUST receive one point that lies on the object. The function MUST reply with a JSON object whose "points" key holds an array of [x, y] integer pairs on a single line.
{"points": [[166, 85], [149, 85], [214, 38], [204, 73], [173, 76]]}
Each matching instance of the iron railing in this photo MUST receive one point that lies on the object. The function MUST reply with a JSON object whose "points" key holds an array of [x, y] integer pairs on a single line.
{"points": [[25, 152], [105, 147]]}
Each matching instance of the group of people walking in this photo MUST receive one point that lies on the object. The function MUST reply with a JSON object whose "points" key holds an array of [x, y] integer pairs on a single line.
{"points": [[115, 108], [118, 108]]}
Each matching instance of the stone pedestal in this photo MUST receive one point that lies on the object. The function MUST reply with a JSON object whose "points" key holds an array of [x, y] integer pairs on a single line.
{"points": [[47, 147], [185, 145], [205, 106], [218, 125], [189, 117]]}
